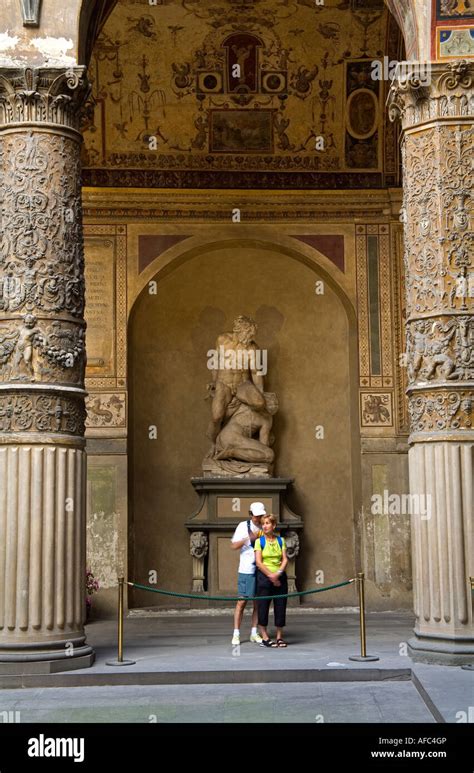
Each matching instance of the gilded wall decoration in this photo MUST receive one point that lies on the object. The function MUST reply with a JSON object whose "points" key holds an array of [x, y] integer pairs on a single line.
{"points": [[100, 303], [362, 116], [399, 305], [106, 305], [376, 409], [374, 305], [194, 90], [106, 409]]}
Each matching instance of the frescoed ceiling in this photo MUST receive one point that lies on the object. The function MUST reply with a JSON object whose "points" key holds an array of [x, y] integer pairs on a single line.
{"points": [[240, 93]]}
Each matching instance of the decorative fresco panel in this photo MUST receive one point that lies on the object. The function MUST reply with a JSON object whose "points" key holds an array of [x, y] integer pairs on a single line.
{"points": [[185, 94], [362, 116], [376, 409], [454, 9], [453, 29], [241, 131], [454, 43]]}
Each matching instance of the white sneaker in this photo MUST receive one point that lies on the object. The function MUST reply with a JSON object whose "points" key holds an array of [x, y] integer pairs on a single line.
{"points": [[236, 639], [256, 638]]}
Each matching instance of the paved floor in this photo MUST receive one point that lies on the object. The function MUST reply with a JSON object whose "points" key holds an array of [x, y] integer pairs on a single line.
{"points": [[186, 671], [303, 703]]}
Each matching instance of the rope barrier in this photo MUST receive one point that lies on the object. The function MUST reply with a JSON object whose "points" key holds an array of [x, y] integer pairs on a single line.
{"points": [[360, 580], [121, 584], [237, 598]]}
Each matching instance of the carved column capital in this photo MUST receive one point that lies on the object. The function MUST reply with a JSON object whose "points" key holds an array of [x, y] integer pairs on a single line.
{"points": [[42, 96], [424, 92]]}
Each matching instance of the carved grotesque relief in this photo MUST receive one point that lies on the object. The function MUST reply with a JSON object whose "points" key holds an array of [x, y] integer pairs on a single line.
{"points": [[42, 332], [42, 351], [439, 242], [292, 544], [199, 544], [441, 350]]}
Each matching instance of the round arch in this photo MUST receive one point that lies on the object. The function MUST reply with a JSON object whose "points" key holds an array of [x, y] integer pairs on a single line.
{"points": [[193, 247]]}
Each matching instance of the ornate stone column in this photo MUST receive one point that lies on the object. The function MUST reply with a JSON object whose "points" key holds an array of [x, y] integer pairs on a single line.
{"points": [[438, 148], [42, 361]]}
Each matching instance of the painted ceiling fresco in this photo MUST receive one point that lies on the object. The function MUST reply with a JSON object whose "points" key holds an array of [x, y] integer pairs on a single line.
{"points": [[234, 93]]}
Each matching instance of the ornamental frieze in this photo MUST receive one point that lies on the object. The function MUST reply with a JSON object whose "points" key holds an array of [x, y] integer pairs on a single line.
{"points": [[41, 288], [41, 413], [440, 350], [435, 411], [46, 351], [441, 288], [106, 409]]}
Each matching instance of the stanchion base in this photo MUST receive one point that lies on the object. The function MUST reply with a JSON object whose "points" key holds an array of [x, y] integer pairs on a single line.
{"points": [[120, 662], [468, 667], [362, 658]]}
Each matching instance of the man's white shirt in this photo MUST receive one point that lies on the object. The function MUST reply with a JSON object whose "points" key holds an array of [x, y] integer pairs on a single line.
{"points": [[247, 553]]}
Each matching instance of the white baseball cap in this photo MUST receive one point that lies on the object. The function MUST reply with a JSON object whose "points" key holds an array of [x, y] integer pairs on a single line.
{"points": [[258, 508]]}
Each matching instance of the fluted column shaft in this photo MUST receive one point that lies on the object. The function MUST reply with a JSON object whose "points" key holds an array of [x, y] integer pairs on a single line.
{"points": [[42, 362], [437, 114]]}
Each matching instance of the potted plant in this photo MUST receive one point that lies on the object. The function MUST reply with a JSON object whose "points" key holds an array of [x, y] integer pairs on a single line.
{"points": [[92, 585]]}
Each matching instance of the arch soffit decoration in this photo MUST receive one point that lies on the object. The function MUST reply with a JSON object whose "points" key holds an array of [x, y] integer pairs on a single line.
{"points": [[195, 247], [94, 13]]}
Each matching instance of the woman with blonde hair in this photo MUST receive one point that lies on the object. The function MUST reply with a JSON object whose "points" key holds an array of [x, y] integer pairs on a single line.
{"points": [[271, 560]]}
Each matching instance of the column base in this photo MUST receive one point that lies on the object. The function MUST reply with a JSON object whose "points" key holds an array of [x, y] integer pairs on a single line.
{"points": [[25, 668], [442, 652], [46, 657]]}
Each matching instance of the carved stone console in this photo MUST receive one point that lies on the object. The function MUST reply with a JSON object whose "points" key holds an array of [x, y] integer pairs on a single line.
{"points": [[438, 147], [42, 361]]}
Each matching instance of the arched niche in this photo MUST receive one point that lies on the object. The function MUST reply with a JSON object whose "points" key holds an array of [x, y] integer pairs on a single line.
{"points": [[312, 362]]}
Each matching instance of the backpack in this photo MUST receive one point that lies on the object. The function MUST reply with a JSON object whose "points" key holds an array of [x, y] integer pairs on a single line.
{"points": [[263, 540]]}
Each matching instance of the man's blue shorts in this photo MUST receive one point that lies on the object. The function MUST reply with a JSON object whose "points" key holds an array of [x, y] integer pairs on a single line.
{"points": [[246, 585]]}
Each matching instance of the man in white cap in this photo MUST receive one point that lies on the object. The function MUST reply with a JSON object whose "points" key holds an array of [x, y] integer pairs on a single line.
{"points": [[244, 538]]}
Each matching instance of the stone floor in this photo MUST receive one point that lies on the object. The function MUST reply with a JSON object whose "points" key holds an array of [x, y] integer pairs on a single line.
{"points": [[187, 671]]}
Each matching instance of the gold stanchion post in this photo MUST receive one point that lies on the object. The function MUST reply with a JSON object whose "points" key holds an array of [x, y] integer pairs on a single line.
{"points": [[120, 661], [469, 666], [363, 651]]}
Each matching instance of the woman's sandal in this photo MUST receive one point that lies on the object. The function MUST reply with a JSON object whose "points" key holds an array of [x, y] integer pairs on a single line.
{"points": [[281, 643], [268, 643]]}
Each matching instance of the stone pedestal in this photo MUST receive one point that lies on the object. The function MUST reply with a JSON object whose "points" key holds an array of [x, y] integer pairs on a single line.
{"points": [[438, 147], [223, 503], [42, 361]]}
